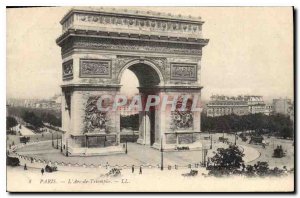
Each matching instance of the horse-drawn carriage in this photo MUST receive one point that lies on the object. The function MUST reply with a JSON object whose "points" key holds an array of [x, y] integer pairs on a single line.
{"points": [[278, 152], [50, 169]]}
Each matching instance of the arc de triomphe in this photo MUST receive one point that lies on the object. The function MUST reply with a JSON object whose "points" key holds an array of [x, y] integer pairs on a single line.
{"points": [[97, 46]]}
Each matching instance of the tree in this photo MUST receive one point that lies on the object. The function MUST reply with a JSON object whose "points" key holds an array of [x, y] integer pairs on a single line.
{"points": [[226, 161], [32, 119], [51, 119], [11, 122], [130, 121]]}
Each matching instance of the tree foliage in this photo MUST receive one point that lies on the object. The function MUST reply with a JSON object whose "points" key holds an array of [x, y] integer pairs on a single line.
{"points": [[11, 122], [51, 119], [32, 119], [279, 125], [226, 161], [229, 161], [130, 121], [46, 115]]}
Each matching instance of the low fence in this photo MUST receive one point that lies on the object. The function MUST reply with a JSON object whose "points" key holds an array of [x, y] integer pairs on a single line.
{"points": [[34, 162]]}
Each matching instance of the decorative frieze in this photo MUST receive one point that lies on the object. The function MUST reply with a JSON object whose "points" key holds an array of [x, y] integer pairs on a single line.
{"points": [[95, 68], [134, 22], [67, 70], [184, 71], [135, 45]]}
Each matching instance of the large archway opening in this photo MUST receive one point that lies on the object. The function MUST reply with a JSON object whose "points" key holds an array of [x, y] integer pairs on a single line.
{"points": [[138, 126]]}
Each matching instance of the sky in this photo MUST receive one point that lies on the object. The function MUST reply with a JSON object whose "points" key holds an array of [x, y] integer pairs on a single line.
{"points": [[250, 51]]}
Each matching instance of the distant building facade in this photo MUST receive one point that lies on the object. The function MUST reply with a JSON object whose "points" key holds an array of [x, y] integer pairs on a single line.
{"points": [[256, 104], [52, 103], [269, 109], [284, 106], [220, 105]]}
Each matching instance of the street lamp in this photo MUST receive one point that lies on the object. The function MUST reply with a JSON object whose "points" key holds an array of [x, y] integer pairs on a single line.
{"points": [[126, 147], [52, 140], [61, 142], [210, 141], [67, 151], [132, 135], [162, 154], [56, 140], [235, 138]]}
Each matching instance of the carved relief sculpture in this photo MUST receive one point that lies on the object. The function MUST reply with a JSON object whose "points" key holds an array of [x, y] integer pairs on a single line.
{"points": [[67, 70], [182, 120], [95, 68], [183, 71], [95, 121]]}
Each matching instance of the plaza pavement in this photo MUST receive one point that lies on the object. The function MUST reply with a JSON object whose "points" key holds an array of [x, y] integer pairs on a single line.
{"points": [[137, 155], [144, 155]]}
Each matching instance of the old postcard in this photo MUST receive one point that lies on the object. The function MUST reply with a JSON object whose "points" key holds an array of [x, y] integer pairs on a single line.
{"points": [[150, 99]]}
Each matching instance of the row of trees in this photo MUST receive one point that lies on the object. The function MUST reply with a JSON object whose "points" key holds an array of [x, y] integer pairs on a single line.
{"points": [[279, 125], [35, 121], [51, 119], [35, 117], [32, 119]]}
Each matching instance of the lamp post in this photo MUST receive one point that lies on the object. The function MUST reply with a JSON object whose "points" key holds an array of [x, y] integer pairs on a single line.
{"points": [[235, 138], [162, 154], [210, 141], [56, 140], [61, 142], [126, 147], [67, 151], [52, 140], [132, 135]]}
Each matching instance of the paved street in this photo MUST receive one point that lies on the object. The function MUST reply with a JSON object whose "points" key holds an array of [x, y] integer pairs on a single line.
{"points": [[144, 155]]}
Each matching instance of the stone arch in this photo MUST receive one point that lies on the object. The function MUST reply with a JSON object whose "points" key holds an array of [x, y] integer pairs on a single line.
{"points": [[146, 64]]}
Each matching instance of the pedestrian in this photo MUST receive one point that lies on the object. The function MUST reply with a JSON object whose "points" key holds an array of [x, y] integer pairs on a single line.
{"points": [[132, 169], [25, 167], [140, 169], [42, 171]]}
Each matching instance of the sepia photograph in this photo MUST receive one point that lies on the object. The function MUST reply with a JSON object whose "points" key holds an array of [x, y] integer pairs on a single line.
{"points": [[150, 99]]}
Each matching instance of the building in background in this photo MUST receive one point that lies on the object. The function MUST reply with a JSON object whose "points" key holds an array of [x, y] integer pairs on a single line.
{"points": [[269, 109], [224, 105], [284, 106], [51, 103], [255, 103], [220, 105]]}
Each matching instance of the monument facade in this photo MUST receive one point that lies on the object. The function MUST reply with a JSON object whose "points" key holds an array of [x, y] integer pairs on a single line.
{"points": [[97, 46]]}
